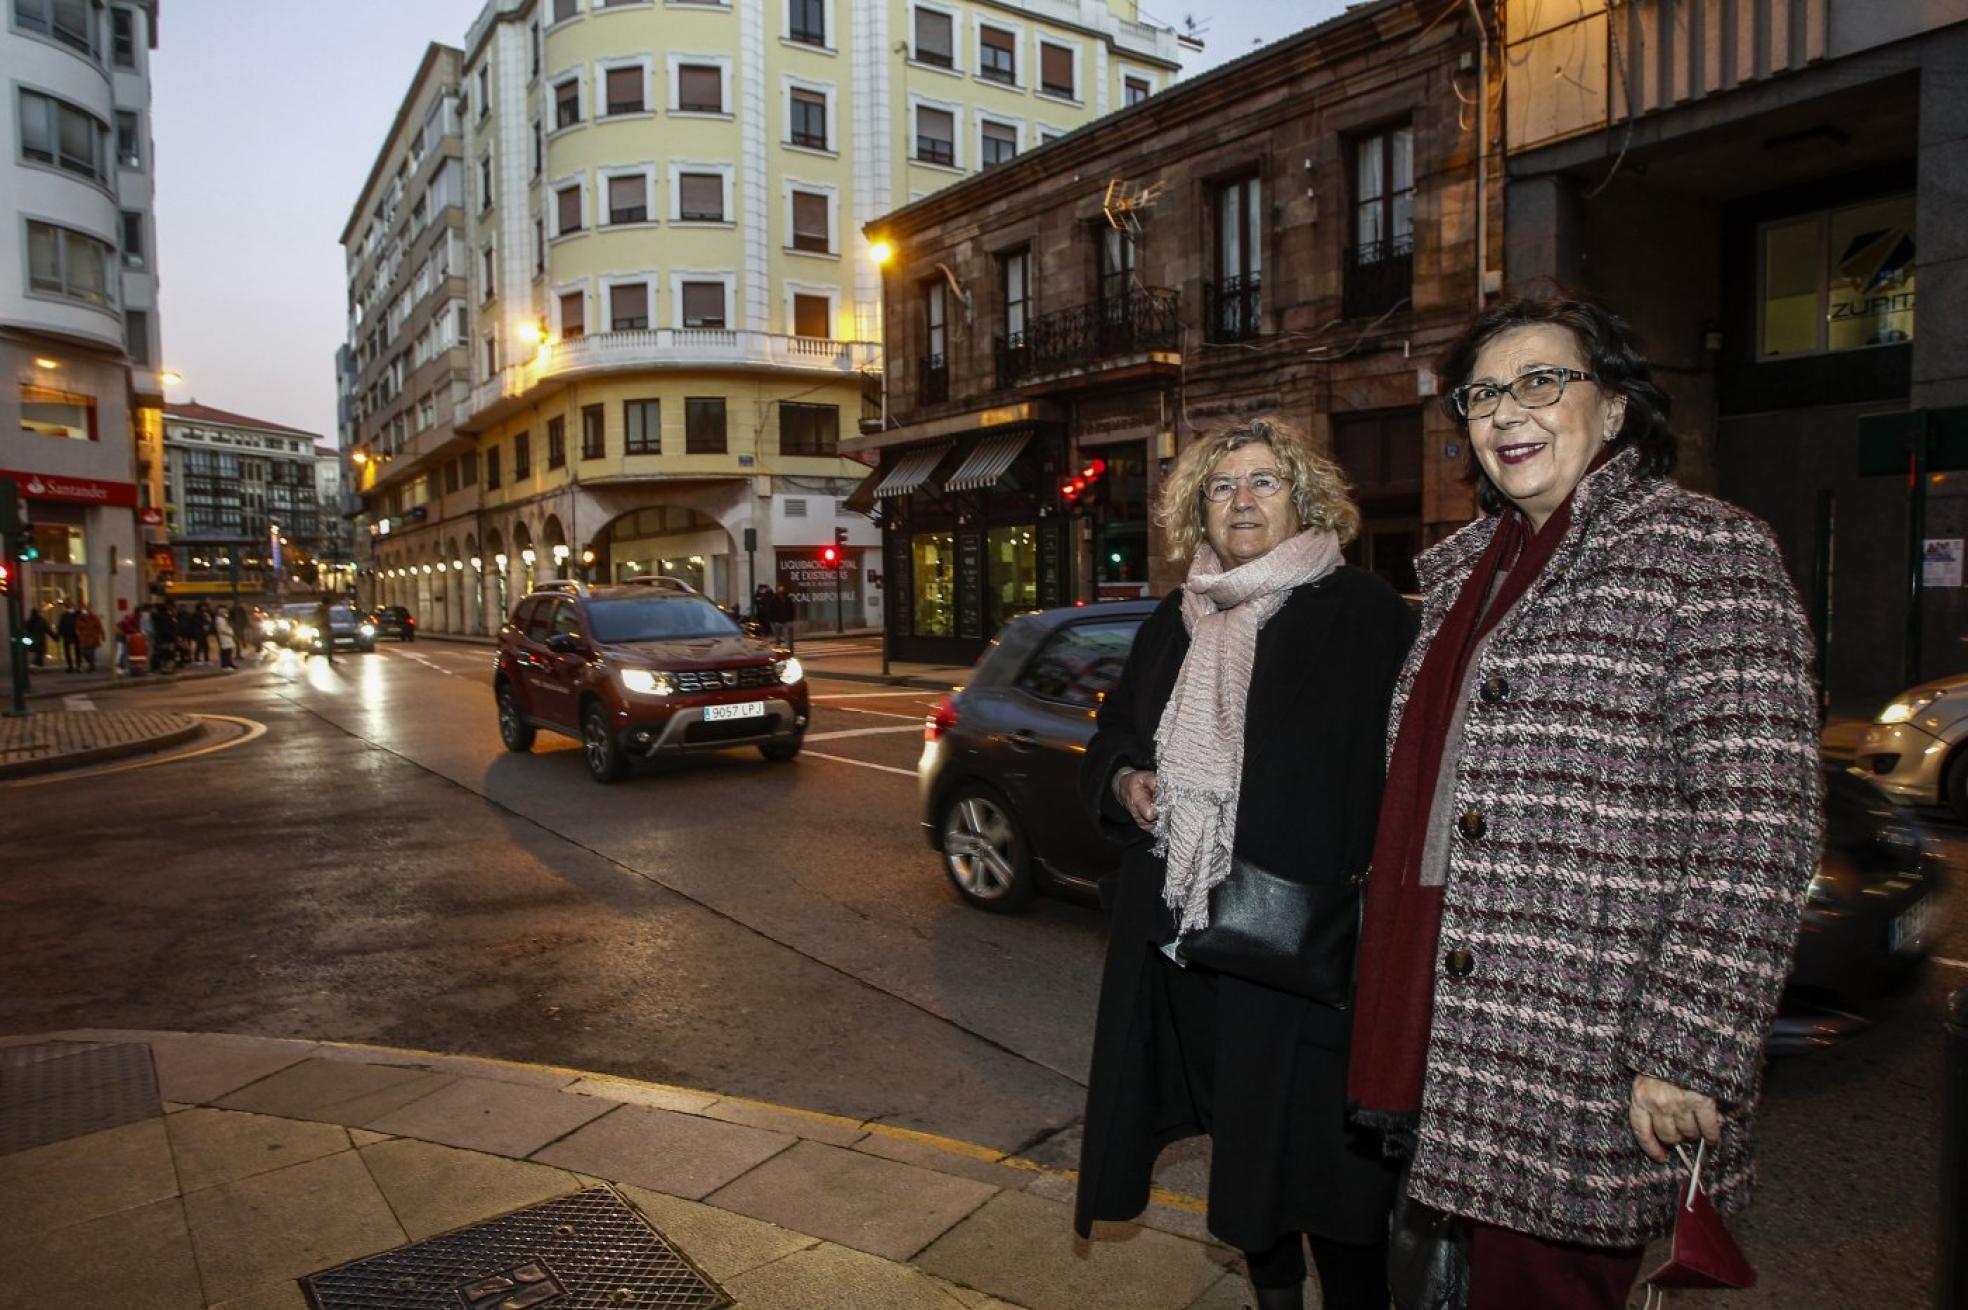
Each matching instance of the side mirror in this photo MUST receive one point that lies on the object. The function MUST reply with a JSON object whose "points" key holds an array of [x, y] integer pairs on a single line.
{"points": [[565, 643]]}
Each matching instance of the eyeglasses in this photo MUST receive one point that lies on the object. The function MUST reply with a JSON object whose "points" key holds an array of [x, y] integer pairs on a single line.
{"points": [[1263, 484], [1540, 388]]}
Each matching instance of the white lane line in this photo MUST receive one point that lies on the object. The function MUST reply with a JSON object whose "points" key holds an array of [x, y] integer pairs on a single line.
{"points": [[78, 701], [1952, 964], [859, 732], [886, 714], [427, 663], [862, 764], [867, 695]]}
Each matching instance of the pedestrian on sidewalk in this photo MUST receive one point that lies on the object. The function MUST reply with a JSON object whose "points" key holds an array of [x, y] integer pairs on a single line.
{"points": [[65, 629], [163, 637], [38, 633], [1244, 740], [88, 635], [228, 642], [198, 634], [239, 625], [129, 625], [784, 610], [762, 606], [1603, 808]]}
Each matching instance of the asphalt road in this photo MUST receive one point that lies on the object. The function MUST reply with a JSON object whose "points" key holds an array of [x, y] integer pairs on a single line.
{"points": [[377, 869]]}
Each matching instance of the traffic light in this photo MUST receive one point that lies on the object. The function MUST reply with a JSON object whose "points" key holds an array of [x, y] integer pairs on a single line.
{"points": [[832, 555], [840, 538], [1081, 486], [6, 578], [16, 532]]}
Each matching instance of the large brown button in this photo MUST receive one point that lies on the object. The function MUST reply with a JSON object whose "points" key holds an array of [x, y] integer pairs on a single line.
{"points": [[1471, 825], [1495, 688], [1460, 962]]}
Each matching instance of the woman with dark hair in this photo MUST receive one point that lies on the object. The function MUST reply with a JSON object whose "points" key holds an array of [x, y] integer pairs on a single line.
{"points": [[1602, 810], [1244, 740]]}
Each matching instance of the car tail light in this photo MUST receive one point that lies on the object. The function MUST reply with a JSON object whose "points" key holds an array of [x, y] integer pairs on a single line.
{"points": [[942, 718]]}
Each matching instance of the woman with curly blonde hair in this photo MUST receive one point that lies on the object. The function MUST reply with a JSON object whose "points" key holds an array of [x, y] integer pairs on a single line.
{"points": [[1243, 747]]}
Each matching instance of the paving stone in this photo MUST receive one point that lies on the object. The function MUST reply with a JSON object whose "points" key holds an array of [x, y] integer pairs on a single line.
{"points": [[649, 1094], [433, 1189], [828, 1128], [334, 1091], [969, 1297], [177, 1107], [86, 1177], [275, 1227], [222, 1146], [200, 1070], [814, 1279], [927, 1155], [43, 737], [279, 1296], [363, 1137], [501, 1118], [463, 1066], [873, 1205], [680, 1154], [720, 1243], [1233, 1292], [137, 1257], [1022, 1248]]}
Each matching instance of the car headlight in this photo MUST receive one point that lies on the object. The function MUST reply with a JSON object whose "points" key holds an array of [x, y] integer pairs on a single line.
{"points": [[280, 625], [1906, 707], [304, 631], [790, 670], [1820, 891], [649, 684], [367, 629]]}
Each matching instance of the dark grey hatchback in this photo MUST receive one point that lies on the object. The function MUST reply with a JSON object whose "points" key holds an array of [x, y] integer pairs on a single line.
{"points": [[999, 774]]}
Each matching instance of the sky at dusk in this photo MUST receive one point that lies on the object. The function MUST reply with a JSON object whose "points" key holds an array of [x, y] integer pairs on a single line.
{"points": [[267, 115]]}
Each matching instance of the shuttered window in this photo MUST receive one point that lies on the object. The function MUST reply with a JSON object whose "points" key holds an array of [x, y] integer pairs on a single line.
{"points": [[811, 317], [628, 200], [933, 39], [1056, 70], [567, 204], [573, 315], [625, 91], [810, 221], [699, 89], [700, 197], [628, 307], [703, 304]]}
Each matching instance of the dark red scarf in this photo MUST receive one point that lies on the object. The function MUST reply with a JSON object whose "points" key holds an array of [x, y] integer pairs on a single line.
{"points": [[1395, 997]]}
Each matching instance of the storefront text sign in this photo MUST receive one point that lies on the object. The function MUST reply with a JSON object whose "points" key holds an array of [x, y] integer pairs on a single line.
{"points": [[84, 491], [1943, 559]]}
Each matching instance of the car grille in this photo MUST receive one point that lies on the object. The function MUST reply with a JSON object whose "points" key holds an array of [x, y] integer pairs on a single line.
{"points": [[758, 675]]}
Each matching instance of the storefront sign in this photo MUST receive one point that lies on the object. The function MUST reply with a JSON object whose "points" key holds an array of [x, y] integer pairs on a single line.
{"points": [[83, 491], [822, 592], [151, 516], [1239, 405], [970, 585], [1943, 562], [1052, 593]]}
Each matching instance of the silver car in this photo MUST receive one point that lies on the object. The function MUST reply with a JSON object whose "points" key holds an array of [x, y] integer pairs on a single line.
{"points": [[1916, 749]]}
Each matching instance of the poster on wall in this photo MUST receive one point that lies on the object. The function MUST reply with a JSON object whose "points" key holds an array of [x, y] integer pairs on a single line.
{"points": [[1943, 558], [824, 595]]}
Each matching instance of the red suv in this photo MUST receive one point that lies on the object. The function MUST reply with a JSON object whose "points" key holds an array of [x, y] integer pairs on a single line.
{"points": [[640, 669]]}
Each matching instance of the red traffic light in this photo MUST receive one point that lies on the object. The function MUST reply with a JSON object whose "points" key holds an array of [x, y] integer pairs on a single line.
{"points": [[6, 578], [829, 556]]}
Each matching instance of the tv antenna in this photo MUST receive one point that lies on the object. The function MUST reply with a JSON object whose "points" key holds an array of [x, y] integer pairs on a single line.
{"points": [[1124, 205]]}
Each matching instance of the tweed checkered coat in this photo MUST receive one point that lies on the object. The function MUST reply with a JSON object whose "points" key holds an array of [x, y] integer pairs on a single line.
{"points": [[1643, 759]]}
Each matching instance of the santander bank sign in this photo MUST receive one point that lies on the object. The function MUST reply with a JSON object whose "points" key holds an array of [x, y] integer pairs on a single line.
{"points": [[86, 491]]}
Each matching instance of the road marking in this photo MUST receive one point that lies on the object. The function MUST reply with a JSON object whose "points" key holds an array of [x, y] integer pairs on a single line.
{"points": [[865, 695], [253, 727], [865, 764], [1952, 964], [858, 732], [428, 663], [79, 701], [886, 714]]}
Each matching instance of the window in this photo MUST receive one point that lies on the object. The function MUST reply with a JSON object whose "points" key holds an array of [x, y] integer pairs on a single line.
{"points": [[934, 39], [484, 183], [1116, 267], [812, 316], [593, 445], [997, 55], [935, 364], [565, 9], [1000, 144], [54, 132], [624, 91], [1080, 664], [573, 315], [806, 21], [133, 239], [703, 304], [68, 21], [491, 355], [1840, 279], [567, 207], [539, 147], [492, 468], [809, 125], [451, 483], [808, 429], [539, 246], [700, 89], [522, 456], [1134, 90], [484, 90], [642, 423], [700, 197], [123, 37], [64, 262], [1233, 308], [136, 335], [703, 425], [936, 135], [810, 222], [533, 52], [1016, 268], [485, 270], [628, 306], [1379, 265], [628, 199], [46, 413], [567, 103], [556, 443], [1056, 70]]}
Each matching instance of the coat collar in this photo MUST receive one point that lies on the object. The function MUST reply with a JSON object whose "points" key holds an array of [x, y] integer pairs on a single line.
{"points": [[1453, 557]]}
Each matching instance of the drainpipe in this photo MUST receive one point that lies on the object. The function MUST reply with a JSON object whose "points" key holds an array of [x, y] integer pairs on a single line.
{"points": [[1482, 152]]}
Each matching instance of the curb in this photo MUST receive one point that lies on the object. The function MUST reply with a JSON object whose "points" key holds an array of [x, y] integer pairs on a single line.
{"points": [[129, 682], [100, 754]]}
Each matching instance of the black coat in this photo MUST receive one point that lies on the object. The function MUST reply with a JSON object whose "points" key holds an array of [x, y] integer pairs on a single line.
{"points": [[1282, 1156]]}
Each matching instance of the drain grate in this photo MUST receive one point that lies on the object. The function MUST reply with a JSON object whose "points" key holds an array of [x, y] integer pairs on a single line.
{"points": [[588, 1249], [52, 1091]]}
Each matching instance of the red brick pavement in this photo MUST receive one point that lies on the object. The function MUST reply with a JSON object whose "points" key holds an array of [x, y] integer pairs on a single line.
{"points": [[48, 740]]}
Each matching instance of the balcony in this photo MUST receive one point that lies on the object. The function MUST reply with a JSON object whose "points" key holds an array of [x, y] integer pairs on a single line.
{"points": [[660, 348], [1379, 276], [1089, 337], [1233, 308]]}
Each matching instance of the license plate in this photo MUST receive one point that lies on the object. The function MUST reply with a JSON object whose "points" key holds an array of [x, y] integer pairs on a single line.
{"points": [[1911, 929], [751, 709]]}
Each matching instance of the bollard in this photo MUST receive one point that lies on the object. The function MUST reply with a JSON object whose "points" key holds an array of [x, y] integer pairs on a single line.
{"points": [[1953, 1264]]}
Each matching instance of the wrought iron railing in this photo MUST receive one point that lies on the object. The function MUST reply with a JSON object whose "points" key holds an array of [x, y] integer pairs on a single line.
{"points": [[931, 150], [1379, 276], [934, 374], [1234, 307], [1145, 319]]}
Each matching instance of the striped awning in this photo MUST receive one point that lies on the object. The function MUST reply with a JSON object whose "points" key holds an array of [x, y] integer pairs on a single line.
{"points": [[987, 462], [912, 470], [861, 500]]}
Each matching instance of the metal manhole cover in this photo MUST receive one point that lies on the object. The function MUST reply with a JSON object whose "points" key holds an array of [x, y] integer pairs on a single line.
{"points": [[52, 1091], [588, 1249]]}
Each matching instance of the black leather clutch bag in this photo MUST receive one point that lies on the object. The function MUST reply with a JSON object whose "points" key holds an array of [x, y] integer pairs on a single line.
{"points": [[1296, 937]]}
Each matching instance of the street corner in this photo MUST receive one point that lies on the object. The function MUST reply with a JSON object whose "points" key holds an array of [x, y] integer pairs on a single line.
{"points": [[52, 741]]}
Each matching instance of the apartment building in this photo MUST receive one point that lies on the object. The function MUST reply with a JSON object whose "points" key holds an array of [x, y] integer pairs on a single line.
{"points": [[242, 506], [78, 293], [1295, 234], [671, 314]]}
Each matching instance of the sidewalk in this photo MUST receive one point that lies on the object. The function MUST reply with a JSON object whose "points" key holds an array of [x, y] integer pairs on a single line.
{"points": [[48, 683], [49, 740], [183, 1170]]}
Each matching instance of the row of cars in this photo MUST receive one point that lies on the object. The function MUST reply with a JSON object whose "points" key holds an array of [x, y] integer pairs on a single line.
{"points": [[299, 627]]}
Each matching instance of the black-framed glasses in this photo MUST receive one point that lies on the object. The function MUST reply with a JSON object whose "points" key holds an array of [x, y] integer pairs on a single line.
{"points": [[1538, 389], [1264, 484]]}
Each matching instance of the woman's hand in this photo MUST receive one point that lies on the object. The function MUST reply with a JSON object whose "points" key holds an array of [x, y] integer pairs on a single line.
{"points": [[1664, 1116], [1137, 793]]}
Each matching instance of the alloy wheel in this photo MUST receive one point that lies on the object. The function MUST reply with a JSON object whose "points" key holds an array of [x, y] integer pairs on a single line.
{"points": [[982, 851]]}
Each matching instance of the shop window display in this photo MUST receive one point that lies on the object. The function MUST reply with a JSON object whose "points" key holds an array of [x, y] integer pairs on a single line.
{"points": [[933, 560]]}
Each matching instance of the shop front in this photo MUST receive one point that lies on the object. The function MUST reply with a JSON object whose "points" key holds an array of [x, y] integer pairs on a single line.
{"points": [[84, 532]]}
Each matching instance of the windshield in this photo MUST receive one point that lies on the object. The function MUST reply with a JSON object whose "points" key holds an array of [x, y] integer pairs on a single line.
{"points": [[342, 614], [647, 618], [297, 611]]}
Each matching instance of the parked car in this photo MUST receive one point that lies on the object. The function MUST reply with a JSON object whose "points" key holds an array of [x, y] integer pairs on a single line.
{"points": [[395, 621], [642, 669], [998, 785], [1916, 749], [347, 627]]}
